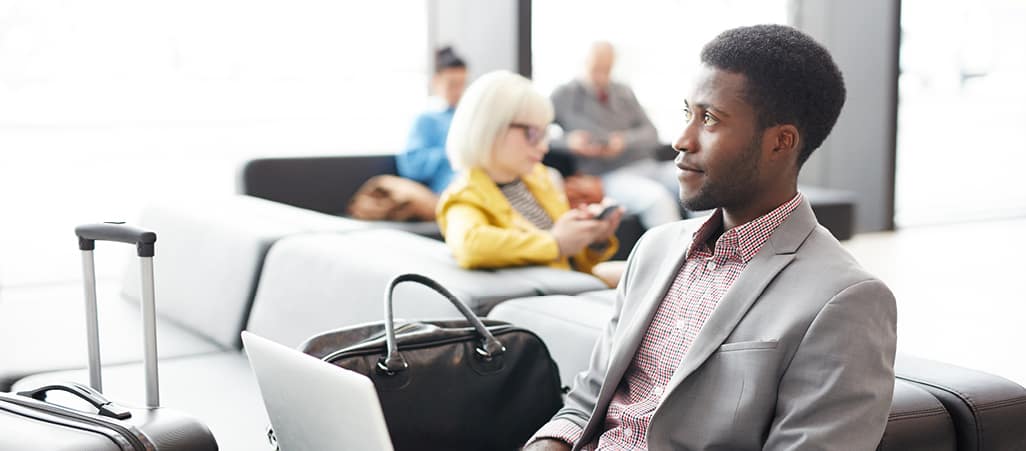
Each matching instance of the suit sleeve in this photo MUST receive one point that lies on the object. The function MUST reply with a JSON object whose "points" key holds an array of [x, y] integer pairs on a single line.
{"points": [[477, 244], [838, 387]]}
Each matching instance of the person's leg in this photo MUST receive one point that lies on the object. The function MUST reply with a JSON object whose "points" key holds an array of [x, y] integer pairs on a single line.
{"points": [[642, 196], [610, 272], [662, 172]]}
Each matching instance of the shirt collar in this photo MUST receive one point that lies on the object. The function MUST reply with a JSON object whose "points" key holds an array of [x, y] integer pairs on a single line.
{"points": [[745, 240]]}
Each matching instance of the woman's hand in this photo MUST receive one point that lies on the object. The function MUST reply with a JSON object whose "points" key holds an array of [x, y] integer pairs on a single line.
{"points": [[608, 225], [575, 230]]}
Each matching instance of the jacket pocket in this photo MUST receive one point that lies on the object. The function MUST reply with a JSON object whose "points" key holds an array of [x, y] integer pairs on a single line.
{"points": [[746, 345]]}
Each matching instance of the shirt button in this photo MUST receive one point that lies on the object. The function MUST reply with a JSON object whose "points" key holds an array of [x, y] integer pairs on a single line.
{"points": [[657, 391], [627, 432], [711, 265], [681, 324]]}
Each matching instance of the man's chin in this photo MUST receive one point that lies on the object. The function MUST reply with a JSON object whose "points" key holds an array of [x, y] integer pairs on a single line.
{"points": [[696, 202]]}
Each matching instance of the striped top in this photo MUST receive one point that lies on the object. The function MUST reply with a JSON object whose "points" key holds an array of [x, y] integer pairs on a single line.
{"points": [[524, 203]]}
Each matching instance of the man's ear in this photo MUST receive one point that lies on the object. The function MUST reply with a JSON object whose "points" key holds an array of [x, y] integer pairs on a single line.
{"points": [[784, 141]]}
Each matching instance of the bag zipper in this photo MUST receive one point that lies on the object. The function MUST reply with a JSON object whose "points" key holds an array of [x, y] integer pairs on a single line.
{"points": [[361, 349]]}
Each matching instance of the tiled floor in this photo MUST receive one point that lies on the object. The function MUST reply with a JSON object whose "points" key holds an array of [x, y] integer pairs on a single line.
{"points": [[961, 291]]}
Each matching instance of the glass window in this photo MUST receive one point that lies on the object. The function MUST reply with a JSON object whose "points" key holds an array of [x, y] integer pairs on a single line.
{"points": [[107, 104], [962, 106]]}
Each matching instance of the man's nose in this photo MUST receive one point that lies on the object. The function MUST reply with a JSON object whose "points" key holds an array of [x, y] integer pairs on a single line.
{"points": [[686, 142]]}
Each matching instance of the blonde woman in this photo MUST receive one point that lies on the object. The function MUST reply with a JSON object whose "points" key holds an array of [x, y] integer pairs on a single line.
{"points": [[503, 208]]}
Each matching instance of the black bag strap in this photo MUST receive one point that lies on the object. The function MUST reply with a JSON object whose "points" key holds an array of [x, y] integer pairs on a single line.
{"points": [[394, 361]]}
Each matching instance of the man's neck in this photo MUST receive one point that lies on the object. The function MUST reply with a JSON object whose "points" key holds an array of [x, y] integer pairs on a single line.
{"points": [[735, 216]]}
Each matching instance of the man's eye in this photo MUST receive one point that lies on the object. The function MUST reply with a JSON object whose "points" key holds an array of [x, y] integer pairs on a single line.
{"points": [[709, 119]]}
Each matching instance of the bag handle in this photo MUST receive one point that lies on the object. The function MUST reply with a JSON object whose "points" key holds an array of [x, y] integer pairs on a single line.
{"points": [[103, 406], [394, 361]]}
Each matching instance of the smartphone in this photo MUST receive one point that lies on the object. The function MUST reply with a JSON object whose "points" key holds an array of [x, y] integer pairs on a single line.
{"points": [[607, 211]]}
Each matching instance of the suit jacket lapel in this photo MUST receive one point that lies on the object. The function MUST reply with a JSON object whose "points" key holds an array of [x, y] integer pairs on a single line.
{"points": [[775, 255]]}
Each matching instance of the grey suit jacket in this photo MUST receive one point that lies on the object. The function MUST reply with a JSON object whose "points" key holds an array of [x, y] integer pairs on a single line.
{"points": [[799, 353]]}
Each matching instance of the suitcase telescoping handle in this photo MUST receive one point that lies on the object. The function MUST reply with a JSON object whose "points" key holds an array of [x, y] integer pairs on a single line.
{"points": [[143, 240]]}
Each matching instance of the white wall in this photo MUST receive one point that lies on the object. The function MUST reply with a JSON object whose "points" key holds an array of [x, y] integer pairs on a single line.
{"points": [[858, 155], [483, 32]]}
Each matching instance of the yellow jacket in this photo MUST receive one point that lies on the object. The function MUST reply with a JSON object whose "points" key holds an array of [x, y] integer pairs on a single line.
{"points": [[484, 231]]}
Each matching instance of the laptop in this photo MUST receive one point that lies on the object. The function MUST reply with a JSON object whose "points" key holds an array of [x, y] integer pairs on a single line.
{"points": [[313, 405]]}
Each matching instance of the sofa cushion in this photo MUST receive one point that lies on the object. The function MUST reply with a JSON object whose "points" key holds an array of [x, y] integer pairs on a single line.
{"points": [[917, 422], [569, 325], [43, 329], [316, 282], [209, 253]]}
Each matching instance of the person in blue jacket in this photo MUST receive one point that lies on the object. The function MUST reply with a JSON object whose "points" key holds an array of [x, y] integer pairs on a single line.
{"points": [[424, 158]]}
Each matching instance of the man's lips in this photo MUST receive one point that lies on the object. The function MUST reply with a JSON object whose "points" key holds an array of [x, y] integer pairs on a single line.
{"points": [[688, 168]]}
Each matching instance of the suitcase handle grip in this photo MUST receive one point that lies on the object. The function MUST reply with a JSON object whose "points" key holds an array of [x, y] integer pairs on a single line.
{"points": [[103, 406], [115, 231]]}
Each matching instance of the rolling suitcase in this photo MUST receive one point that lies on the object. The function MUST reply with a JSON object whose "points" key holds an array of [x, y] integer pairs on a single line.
{"points": [[29, 423]]}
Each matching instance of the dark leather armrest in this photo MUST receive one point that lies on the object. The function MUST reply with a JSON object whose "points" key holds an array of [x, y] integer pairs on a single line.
{"points": [[322, 184], [989, 412]]}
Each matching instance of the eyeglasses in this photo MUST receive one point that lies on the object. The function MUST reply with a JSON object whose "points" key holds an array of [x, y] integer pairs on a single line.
{"points": [[535, 135]]}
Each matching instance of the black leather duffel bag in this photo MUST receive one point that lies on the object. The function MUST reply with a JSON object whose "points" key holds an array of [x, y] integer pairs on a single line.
{"points": [[453, 385]]}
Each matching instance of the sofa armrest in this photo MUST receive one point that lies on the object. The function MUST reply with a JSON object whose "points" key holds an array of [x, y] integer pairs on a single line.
{"points": [[989, 412], [323, 184]]}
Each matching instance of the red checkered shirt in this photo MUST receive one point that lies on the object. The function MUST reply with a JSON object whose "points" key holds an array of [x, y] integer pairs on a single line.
{"points": [[704, 278]]}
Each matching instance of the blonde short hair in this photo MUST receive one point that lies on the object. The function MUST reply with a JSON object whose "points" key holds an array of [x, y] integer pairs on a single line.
{"points": [[484, 112]]}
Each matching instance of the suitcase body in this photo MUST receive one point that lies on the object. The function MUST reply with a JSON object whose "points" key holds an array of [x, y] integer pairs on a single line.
{"points": [[29, 422]]}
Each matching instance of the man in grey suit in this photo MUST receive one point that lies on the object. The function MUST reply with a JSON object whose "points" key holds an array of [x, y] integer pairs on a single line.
{"points": [[610, 136], [754, 328]]}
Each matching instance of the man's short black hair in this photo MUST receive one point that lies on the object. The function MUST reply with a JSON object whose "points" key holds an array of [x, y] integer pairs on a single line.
{"points": [[791, 79], [446, 58]]}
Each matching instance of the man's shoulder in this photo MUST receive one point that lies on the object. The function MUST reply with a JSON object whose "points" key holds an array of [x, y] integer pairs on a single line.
{"points": [[824, 261], [619, 87]]}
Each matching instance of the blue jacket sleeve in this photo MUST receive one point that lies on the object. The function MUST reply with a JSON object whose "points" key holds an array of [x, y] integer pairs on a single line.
{"points": [[424, 158]]}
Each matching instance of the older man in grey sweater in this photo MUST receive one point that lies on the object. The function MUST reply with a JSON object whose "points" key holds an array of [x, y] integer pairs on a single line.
{"points": [[607, 131]]}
